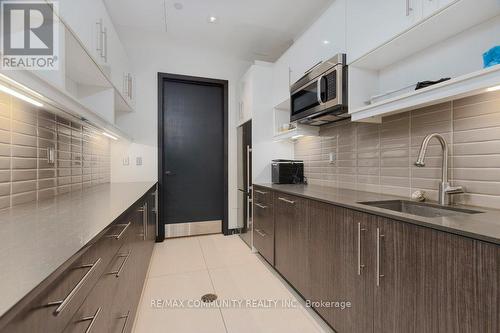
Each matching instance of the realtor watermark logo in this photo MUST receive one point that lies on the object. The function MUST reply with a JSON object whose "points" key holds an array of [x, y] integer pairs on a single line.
{"points": [[30, 35]]}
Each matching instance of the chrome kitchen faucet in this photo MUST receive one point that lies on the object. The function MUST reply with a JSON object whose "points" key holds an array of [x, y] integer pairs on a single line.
{"points": [[445, 188]]}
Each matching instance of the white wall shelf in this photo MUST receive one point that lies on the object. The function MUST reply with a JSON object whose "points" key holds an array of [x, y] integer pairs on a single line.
{"points": [[463, 86], [448, 44]]}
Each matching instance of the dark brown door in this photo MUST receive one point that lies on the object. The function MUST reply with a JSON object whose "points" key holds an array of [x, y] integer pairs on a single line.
{"points": [[193, 149], [342, 266], [292, 240]]}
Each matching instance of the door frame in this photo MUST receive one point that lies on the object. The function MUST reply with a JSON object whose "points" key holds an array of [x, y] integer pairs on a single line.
{"points": [[162, 78]]}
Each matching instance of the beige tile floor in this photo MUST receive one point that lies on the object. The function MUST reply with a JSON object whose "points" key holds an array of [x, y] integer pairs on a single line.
{"points": [[184, 269]]}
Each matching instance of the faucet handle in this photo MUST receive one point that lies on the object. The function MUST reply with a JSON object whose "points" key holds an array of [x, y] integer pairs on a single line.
{"points": [[454, 190]]}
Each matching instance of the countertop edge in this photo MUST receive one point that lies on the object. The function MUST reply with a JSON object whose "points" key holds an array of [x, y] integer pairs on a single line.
{"points": [[11, 312], [387, 213]]}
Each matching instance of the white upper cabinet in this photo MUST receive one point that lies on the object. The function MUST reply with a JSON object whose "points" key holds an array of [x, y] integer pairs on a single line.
{"points": [[430, 7], [90, 22], [372, 23], [281, 80], [245, 97], [85, 19], [324, 39]]}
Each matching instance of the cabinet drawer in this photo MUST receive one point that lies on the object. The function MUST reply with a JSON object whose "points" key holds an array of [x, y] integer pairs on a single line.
{"points": [[58, 303], [263, 230], [54, 308], [263, 195], [292, 240], [94, 314]]}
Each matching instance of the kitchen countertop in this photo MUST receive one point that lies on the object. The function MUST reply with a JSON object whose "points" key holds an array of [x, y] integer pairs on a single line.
{"points": [[36, 238], [484, 226]]}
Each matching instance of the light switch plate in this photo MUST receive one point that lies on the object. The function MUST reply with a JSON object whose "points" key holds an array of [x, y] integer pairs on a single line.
{"points": [[126, 161], [138, 160]]}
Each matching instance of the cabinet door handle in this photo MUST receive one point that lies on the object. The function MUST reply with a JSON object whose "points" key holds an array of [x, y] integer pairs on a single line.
{"points": [[263, 234], [408, 7], [260, 206], [261, 192], [105, 44], [120, 269], [99, 37], [61, 305], [378, 276], [129, 86], [145, 220], [360, 265], [92, 319], [125, 85], [126, 321], [118, 236], [287, 201]]}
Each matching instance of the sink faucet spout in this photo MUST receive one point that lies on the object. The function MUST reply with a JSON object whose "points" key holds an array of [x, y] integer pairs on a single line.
{"points": [[445, 189]]}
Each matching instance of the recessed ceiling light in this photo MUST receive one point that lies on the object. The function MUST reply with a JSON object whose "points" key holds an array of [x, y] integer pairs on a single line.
{"points": [[326, 42], [178, 5], [212, 19]]}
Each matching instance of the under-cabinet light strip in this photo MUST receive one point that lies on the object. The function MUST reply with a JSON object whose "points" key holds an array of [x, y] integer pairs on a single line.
{"points": [[14, 93]]}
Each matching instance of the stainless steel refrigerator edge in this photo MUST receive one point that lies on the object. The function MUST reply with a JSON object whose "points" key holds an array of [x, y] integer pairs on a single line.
{"points": [[244, 156]]}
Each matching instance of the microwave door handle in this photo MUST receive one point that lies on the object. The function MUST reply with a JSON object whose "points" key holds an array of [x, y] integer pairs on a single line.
{"points": [[318, 90]]}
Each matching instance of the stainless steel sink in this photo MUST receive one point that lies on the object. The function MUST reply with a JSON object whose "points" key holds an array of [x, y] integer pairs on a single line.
{"points": [[419, 208]]}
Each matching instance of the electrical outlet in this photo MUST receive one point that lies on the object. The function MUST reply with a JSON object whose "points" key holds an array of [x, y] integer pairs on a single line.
{"points": [[332, 158], [138, 160], [126, 161]]}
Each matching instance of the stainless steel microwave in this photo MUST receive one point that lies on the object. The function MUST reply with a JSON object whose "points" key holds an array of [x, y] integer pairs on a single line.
{"points": [[320, 96]]}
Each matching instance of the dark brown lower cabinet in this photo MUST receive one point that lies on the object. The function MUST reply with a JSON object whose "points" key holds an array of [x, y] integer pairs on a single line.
{"points": [[341, 268], [100, 290], [397, 276], [291, 240], [263, 223]]}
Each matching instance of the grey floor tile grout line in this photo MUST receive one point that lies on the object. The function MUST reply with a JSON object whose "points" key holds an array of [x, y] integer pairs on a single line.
{"points": [[211, 282]]}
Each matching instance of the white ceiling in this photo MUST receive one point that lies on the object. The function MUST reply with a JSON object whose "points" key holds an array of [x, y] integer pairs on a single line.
{"points": [[246, 29]]}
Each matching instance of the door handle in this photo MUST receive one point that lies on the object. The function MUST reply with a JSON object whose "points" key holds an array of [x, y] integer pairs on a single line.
{"points": [[169, 173]]}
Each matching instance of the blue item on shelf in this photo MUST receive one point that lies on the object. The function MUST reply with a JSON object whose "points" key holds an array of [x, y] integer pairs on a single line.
{"points": [[492, 57]]}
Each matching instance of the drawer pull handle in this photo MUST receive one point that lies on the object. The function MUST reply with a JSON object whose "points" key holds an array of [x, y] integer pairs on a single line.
{"points": [[261, 192], [120, 269], [287, 201], [263, 234], [260, 206], [118, 236], [92, 319], [62, 304], [126, 320]]}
